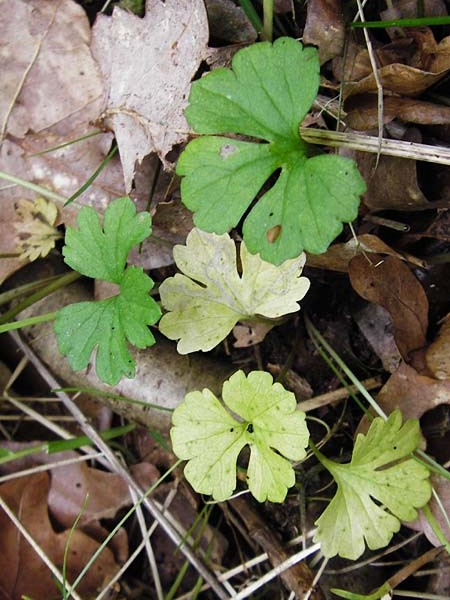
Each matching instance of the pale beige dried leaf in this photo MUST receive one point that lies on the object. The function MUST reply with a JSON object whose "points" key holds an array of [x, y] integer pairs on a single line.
{"points": [[147, 66], [48, 73], [35, 231]]}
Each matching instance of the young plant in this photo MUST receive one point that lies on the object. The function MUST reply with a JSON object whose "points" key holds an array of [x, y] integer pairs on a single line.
{"points": [[207, 301], [210, 438], [101, 253], [265, 95], [381, 469]]}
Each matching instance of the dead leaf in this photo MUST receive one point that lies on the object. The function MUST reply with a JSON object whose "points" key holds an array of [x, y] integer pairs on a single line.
{"points": [[437, 355], [442, 488], [35, 231], [325, 28], [390, 283], [398, 79], [21, 571], [249, 334], [392, 183], [229, 23], [376, 326], [72, 483], [147, 65], [362, 112], [414, 394], [338, 256], [50, 76]]}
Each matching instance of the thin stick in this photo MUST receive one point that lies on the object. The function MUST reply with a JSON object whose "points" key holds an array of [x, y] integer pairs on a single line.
{"points": [[114, 464], [366, 143]]}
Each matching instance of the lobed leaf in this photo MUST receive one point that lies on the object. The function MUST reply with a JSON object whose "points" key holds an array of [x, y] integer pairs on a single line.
{"points": [[211, 296], [210, 438], [266, 95], [107, 325], [381, 469]]}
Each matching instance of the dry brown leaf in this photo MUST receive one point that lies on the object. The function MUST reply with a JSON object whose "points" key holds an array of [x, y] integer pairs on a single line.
{"points": [[437, 355], [442, 488], [147, 65], [362, 112], [48, 72], [338, 256], [398, 79], [72, 483], [391, 183], [21, 571], [229, 23], [325, 28], [390, 283]]}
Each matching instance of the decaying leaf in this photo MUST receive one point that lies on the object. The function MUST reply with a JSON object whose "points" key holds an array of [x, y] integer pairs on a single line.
{"points": [[413, 393], [21, 571], [390, 283], [338, 256], [50, 75], [362, 111], [207, 301], [36, 234], [147, 65], [391, 182], [229, 23], [325, 28], [437, 355]]}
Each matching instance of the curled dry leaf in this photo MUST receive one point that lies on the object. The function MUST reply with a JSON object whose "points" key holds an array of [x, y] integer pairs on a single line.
{"points": [[338, 256], [147, 65], [362, 111], [21, 571], [390, 283], [325, 28], [36, 234]]}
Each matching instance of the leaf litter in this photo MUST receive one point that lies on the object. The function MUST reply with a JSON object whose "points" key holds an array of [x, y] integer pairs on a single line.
{"points": [[406, 66]]}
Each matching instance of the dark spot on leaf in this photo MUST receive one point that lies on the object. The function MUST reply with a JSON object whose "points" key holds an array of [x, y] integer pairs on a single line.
{"points": [[231, 429], [250, 428]]}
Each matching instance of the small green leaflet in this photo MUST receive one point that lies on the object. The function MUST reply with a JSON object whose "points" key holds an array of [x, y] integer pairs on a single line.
{"points": [[381, 469], [206, 435], [108, 324], [211, 297], [266, 95]]}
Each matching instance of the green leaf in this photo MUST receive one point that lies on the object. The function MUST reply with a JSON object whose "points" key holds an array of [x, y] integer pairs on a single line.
{"points": [[206, 435], [101, 253], [211, 297], [108, 324], [266, 95], [381, 469]]}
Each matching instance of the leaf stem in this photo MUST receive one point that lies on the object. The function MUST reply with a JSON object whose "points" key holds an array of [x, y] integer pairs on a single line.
{"points": [[32, 186], [42, 293], [267, 32], [27, 322]]}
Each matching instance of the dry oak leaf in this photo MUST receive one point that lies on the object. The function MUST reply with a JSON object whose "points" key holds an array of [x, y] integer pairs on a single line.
{"points": [[147, 65], [390, 283], [21, 570], [36, 234], [48, 73], [325, 28]]}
